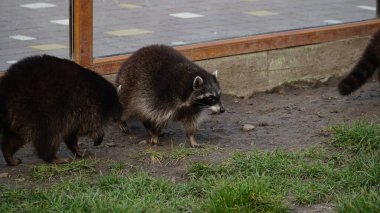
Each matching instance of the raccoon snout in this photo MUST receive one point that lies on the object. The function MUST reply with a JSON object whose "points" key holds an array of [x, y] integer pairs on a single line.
{"points": [[222, 109], [217, 109], [116, 113]]}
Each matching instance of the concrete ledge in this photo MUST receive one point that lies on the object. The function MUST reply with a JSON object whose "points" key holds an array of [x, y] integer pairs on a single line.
{"points": [[243, 75]]}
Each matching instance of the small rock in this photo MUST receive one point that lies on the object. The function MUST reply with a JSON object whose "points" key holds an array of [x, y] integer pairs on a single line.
{"points": [[173, 180], [142, 142], [20, 179], [4, 175], [263, 123], [319, 114], [110, 144], [248, 127]]}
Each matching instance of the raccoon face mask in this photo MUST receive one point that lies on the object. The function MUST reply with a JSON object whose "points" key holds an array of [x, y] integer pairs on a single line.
{"points": [[207, 94]]}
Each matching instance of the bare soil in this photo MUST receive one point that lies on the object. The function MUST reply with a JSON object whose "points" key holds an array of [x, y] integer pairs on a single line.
{"points": [[290, 117]]}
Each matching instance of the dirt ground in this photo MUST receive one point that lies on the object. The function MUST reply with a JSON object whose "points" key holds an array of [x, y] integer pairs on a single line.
{"points": [[291, 117]]}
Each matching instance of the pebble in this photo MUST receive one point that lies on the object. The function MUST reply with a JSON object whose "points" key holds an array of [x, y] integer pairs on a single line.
{"points": [[142, 142], [110, 144], [263, 123], [248, 127], [4, 175]]}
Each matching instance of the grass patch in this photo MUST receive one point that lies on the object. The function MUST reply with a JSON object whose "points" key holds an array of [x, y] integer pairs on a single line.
{"points": [[246, 195], [48, 171], [172, 156], [366, 201], [311, 176], [135, 193], [254, 181], [359, 136]]}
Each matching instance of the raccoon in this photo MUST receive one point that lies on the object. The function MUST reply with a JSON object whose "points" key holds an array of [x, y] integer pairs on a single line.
{"points": [[45, 100], [157, 84], [364, 68]]}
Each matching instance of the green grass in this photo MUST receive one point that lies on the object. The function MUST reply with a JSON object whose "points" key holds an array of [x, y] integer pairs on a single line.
{"points": [[173, 155], [253, 181], [366, 201], [245, 195], [48, 171], [359, 136]]}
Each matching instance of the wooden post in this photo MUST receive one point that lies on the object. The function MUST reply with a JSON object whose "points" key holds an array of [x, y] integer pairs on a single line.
{"points": [[82, 44]]}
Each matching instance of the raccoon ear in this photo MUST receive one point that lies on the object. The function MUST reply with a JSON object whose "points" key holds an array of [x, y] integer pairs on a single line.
{"points": [[197, 83], [215, 73]]}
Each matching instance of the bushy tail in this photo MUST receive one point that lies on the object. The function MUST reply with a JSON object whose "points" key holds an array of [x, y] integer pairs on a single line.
{"points": [[364, 69]]}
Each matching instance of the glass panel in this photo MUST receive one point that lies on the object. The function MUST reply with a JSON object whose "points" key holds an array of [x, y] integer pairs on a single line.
{"points": [[33, 27], [122, 26]]}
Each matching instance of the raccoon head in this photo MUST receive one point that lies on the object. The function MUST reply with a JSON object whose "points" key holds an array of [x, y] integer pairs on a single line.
{"points": [[111, 106], [206, 93]]}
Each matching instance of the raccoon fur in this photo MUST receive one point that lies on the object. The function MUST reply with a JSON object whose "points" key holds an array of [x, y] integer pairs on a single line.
{"points": [[367, 65], [45, 100], [158, 85]]}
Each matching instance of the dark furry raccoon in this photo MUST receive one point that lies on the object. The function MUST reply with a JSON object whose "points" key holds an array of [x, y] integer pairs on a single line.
{"points": [[157, 85], [364, 68], [46, 100]]}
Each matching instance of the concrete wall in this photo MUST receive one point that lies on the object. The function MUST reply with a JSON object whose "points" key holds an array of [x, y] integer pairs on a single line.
{"points": [[243, 75]]}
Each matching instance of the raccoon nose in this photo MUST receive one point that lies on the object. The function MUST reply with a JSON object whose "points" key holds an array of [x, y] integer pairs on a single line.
{"points": [[222, 109]]}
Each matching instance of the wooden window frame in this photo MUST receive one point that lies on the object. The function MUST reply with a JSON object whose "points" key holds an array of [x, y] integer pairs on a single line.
{"points": [[83, 40]]}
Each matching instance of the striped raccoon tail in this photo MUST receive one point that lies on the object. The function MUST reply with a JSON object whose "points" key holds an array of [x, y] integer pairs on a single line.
{"points": [[364, 68]]}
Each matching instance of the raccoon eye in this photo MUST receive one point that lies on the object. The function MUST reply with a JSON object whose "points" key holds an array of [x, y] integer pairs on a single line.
{"points": [[212, 99]]}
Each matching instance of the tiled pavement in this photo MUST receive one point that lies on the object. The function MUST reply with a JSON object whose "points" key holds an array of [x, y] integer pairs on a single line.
{"points": [[30, 27]]}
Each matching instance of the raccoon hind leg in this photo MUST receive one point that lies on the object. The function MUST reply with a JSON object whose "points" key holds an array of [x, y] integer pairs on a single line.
{"points": [[47, 146], [72, 144], [154, 132], [11, 143], [97, 136]]}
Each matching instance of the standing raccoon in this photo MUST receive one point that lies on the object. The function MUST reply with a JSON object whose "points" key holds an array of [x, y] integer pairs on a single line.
{"points": [[364, 68], [157, 85], [46, 100]]}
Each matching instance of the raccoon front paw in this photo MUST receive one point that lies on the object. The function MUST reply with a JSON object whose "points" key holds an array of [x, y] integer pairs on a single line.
{"points": [[81, 154], [98, 141], [194, 143], [14, 162], [157, 144], [58, 160], [124, 127], [197, 145], [154, 141]]}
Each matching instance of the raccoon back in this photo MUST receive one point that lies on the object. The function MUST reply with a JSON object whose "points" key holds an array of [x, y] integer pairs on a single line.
{"points": [[158, 73], [51, 91], [364, 68]]}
